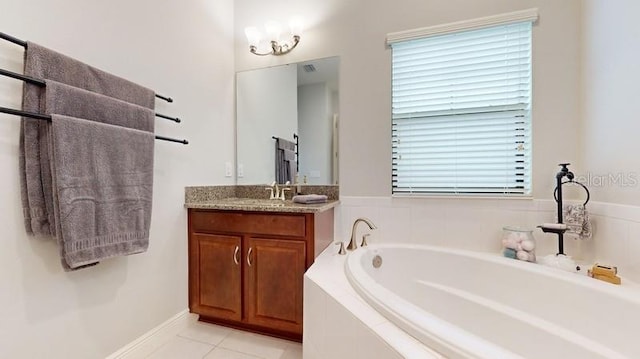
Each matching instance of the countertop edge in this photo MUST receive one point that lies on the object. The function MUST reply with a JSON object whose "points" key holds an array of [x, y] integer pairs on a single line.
{"points": [[285, 208]]}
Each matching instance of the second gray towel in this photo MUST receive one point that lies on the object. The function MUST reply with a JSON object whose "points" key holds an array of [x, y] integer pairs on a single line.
{"points": [[103, 182], [44, 63], [71, 101]]}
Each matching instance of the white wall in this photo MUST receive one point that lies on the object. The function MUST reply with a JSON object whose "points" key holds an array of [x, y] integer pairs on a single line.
{"points": [[180, 49], [267, 105], [355, 30], [611, 107], [315, 121]]}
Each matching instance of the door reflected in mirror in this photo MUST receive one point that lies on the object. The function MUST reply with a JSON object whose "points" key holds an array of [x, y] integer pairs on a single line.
{"points": [[297, 103]]}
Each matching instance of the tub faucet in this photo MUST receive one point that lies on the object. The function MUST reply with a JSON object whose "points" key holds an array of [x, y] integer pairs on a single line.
{"points": [[352, 243]]}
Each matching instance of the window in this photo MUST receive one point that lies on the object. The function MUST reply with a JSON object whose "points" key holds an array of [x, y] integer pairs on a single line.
{"points": [[461, 117]]}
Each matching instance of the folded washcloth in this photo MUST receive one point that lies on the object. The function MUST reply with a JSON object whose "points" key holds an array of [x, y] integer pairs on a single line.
{"points": [[43, 63], [576, 217], [103, 181], [71, 101], [310, 198]]}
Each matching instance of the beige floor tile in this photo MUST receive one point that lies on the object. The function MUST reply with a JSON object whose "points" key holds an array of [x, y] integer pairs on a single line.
{"points": [[254, 344], [181, 348], [222, 353], [205, 332]]}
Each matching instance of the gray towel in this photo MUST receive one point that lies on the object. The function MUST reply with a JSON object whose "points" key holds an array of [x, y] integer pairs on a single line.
{"points": [[285, 161], [103, 178], [48, 64], [43, 63], [310, 198], [71, 101]]}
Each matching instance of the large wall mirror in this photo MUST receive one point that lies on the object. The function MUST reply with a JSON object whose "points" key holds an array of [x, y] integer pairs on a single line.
{"points": [[295, 102]]}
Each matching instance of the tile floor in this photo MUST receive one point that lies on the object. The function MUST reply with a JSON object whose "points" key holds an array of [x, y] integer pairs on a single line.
{"points": [[207, 341]]}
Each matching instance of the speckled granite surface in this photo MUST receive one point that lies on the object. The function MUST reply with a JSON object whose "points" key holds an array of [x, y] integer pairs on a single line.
{"points": [[256, 198]]}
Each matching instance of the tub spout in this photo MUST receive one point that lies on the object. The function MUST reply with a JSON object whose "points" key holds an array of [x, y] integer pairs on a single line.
{"points": [[352, 243]]}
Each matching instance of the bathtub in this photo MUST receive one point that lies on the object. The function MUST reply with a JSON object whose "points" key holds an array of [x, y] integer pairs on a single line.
{"points": [[477, 305]]}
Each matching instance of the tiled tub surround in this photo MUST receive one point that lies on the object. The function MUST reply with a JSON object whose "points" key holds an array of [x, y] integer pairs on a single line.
{"points": [[476, 224], [339, 324]]}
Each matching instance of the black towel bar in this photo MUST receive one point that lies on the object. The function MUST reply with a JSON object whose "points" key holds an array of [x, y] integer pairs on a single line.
{"points": [[39, 116], [22, 43], [38, 82]]}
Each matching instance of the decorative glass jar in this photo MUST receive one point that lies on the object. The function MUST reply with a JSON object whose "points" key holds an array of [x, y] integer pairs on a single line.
{"points": [[518, 243]]}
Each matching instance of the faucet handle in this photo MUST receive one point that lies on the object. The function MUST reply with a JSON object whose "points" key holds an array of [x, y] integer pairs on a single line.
{"points": [[364, 240], [271, 196], [282, 197], [341, 251]]}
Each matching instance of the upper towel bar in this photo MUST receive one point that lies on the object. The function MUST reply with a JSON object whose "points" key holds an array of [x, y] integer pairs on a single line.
{"points": [[38, 82], [39, 116], [22, 43]]}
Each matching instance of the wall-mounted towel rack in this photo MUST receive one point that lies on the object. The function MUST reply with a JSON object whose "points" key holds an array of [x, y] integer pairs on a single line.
{"points": [[41, 83], [297, 138], [22, 43], [297, 151], [47, 118]]}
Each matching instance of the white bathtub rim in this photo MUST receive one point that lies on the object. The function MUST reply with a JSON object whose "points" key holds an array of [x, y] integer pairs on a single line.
{"points": [[452, 341], [629, 290]]}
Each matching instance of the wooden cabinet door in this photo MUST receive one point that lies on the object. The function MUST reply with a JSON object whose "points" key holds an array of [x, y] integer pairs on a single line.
{"points": [[216, 277], [273, 283]]}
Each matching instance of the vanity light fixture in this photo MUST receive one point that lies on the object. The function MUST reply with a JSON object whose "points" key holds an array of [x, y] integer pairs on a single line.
{"points": [[274, 31]]}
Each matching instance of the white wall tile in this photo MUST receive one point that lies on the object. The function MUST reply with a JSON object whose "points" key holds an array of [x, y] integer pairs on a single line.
{"points": [[427, 225], [340, 332], [476, 224], [396, 226], [315, 311], [632, 267], [611, 241], [371, 345]]}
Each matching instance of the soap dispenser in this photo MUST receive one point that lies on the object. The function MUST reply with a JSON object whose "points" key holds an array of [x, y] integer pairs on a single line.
{"points": [[297, 183]]}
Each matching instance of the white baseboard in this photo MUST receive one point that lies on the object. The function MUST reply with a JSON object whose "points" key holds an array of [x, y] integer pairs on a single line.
{"points": [[153, 339]]}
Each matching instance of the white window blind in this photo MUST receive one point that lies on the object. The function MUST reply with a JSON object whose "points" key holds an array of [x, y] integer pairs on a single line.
{"points": [[461, 118]]}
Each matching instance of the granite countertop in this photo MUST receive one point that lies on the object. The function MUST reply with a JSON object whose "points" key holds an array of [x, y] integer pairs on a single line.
{"points": [[262, 205], [252, 198]]}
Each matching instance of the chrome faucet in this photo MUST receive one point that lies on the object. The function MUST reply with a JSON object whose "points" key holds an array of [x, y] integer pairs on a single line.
{"points": [[352, 243]]}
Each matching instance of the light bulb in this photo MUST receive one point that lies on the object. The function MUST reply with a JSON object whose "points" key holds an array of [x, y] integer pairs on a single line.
{"points": [[296, 25], [273, 30], [253, 35]]}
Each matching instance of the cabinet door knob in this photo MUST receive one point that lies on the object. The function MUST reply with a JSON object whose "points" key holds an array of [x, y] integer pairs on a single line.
{"points": [[236, 259], [249, 256]]}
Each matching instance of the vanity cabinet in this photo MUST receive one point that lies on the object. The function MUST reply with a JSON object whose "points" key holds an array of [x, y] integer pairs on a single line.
{"points": [[246, 268]]}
